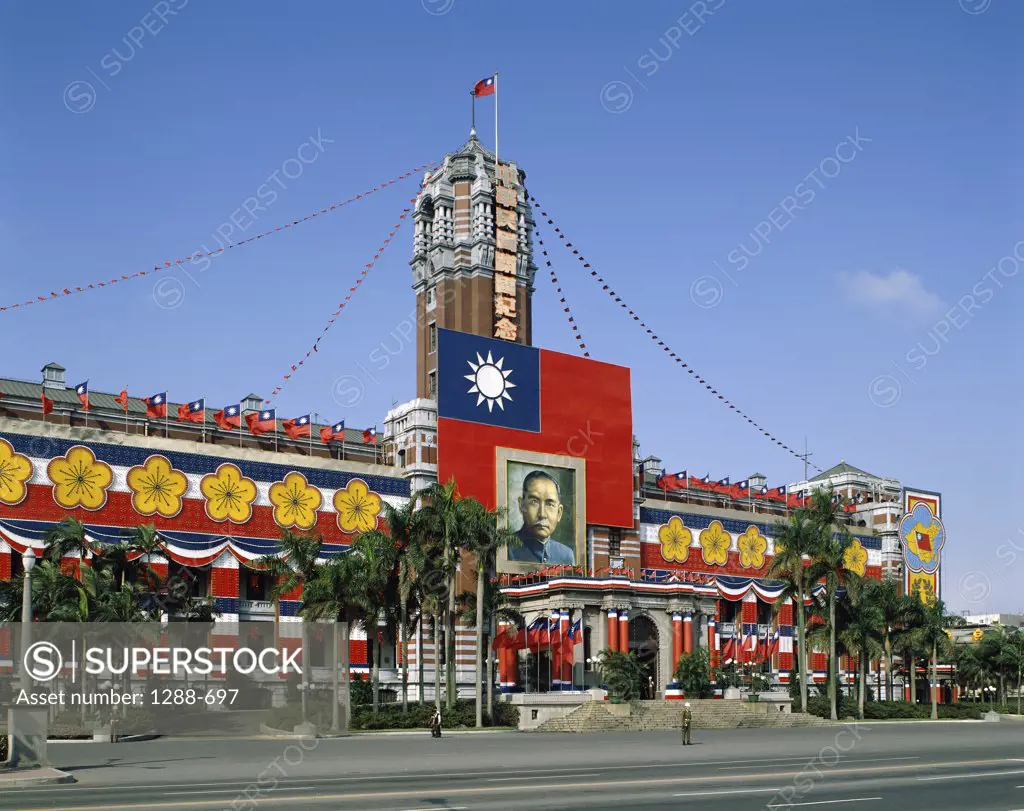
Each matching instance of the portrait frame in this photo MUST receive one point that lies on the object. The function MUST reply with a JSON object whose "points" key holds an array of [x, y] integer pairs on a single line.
{"points": [[507, 506]]}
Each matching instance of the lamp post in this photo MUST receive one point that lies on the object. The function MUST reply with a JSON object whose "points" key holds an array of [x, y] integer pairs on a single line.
{"points": [[27, 727]]}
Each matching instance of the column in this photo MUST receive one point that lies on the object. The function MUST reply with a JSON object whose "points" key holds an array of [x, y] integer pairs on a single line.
{"points": [[677, 638], [624, 630], [224, 590], [688, 632], [506, 672], [555, 650], [748, 620], [786, 640], [613, 629], [567, 653]]}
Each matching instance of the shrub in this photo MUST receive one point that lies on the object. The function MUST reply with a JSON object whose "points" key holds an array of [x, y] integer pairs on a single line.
{"points": [[623, 674], [728, 676], [692, 674], [892, 710], [3, 747], [505, 715]]}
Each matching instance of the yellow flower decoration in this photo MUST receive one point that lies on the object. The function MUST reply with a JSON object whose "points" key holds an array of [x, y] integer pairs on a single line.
{"points": [[855, 558], [675, 540], [752, 545], [714, 543], [229, 495], [295, 501], [357, 506], [79, 479], [15, 470], [157, 487]]}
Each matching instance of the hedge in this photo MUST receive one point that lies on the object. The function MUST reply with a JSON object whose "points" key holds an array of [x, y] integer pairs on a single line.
{"points": [[888, 710], [390, 716]]}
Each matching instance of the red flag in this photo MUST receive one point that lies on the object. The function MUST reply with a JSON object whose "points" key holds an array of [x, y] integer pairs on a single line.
{"points": [[298, 427], [122, 400], [260, 422], [484, 87], [228, 418], [193, 412], [156, 406], [47, 403], [370, 436], [82, 390]]}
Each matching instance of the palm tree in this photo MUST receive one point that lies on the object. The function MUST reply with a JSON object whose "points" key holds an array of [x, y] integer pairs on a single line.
{"points": [[400, 524], [934, 622], [794, 540], [68, 538], [292, 569], [444, 518], [326, 596], [861, 634], [1012, 657], [897, 610], [485, 534], [56, 596]]}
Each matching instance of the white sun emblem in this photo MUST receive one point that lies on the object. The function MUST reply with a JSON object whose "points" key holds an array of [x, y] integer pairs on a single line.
{"points": [[490, 381]]}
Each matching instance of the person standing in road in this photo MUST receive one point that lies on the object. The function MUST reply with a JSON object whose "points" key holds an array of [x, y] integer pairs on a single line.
{"points": [[435, 724], [687, 723]]}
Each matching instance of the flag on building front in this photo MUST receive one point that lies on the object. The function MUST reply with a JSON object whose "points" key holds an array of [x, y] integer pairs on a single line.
{"points": [[122, 400], [193, 412], [675, 481], [297, 427], [82, 390], [229, 417], [370, 436], [47, 403], [496, 396], [260, 422], [156, 406], [330, 433]]}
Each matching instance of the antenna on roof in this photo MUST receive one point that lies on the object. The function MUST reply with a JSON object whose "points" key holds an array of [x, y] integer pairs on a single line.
{"points": [[805, 456]]}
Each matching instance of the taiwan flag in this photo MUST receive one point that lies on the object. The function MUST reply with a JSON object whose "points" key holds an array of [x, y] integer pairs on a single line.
{"points": [[82, 390], [675, 481], [484, 87], [370, 436], [501, 399], [47, 403], [229, 417], [298, 427], [122, 400], [193, 412], [329, 433], [260, 422], [156, 406]]}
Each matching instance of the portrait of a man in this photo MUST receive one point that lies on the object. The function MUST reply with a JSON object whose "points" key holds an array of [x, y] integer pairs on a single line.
{"points": [[546, 528]]}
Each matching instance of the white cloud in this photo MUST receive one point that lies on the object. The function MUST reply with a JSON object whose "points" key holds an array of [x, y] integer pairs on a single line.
{"points": [[898, 292]]}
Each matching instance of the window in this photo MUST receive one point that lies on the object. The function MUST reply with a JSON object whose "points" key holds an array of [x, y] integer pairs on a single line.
{"points": [[432, 337], [614, 542], [432, 385]]}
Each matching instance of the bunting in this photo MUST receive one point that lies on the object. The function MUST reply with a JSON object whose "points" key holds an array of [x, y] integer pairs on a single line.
{"points": [[576, 333]]}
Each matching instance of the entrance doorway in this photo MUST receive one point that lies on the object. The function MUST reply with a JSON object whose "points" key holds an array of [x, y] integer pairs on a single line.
{"points": [[643, 641]]}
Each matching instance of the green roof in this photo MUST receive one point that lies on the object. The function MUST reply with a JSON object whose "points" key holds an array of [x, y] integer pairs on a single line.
{"points": [[840, 469]]}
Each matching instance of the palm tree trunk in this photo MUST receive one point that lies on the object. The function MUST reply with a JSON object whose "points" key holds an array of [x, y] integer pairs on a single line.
{"points": [[419, 653], [913, 677], [801, 642], [1020, 677], [479, 669], [437, 659], [862, 688], [932, 688], [488, 641], [375, 672], [405, 657], [888, 668], [306, 664], [449, 665], [336, 673], [346, 677], [833, 669]]}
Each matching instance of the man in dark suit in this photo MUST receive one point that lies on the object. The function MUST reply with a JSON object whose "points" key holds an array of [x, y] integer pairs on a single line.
{"points": [[541, 507]]}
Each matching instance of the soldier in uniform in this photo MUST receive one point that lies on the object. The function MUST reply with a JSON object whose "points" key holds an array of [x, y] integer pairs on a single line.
{"points": [[687, 723]]}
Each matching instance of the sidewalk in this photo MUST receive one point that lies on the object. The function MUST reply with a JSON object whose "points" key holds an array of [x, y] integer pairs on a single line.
{"points": [[23, 778]]}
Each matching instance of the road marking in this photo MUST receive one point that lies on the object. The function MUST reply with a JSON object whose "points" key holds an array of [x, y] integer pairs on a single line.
{"points": [[730, 791], [836, 802], [440, 808], [975, 774], [811, 760], [235, 791], [503, 779]]}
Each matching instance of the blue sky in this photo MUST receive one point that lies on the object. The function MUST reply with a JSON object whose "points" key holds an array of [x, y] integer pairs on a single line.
{"points": [[667, 146]]}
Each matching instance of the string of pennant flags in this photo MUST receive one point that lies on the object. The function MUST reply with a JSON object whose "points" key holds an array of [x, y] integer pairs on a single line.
{"points": [[343, 303], [659, 341], [577, 333], [71, 291]]}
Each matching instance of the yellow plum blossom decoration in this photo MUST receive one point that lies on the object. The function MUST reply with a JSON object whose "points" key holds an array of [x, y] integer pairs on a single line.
{"points": [[752, 545], [79, 479], [229, 495], [675, 540], [295, 501], [357, 506], [855, 558], [157, 487], [714, 544], [15, 471]]}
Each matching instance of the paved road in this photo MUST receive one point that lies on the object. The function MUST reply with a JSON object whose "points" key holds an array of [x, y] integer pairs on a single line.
{"points": [[938, 767]]}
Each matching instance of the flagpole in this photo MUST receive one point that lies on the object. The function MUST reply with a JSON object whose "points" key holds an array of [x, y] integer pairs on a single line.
{"points": [[312, 423], [495, 123], [126, 411], [472, 128], [241, 419], [167, 419]]}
